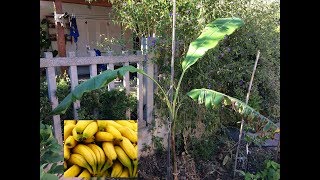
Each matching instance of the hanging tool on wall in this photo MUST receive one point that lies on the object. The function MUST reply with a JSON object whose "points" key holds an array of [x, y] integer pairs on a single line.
{"points": [[74, 29], [59, 18]]}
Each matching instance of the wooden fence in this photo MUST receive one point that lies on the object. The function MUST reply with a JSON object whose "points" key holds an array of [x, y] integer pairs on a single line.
{"points": [[145, 86]]}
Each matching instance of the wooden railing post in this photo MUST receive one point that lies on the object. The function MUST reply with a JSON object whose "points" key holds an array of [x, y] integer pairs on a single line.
{"points": [[93, 67], [149, 83], [126, 85], [141, 124], [126, 80], [111, 84], [73, 73], [93, 72], [52, 89]]}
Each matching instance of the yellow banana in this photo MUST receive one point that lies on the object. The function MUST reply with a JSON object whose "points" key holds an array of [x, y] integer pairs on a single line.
{"points": [[81, 125], [102, 156], [108, 163], [125, 173], [65, 165], [89, 140], [67, 130], [102, 124], [116, 169], [113, 123], [135, 168], [114, 131], [129, 133], [96, 150], [88, 154], [90, 130], [135, 126], [109, 151], [135, 164], [79, 160], [66, 122], [132, 121], [136, 147], [129, 148], [70, 142], [104, 136], [66, 152], [76, 136], [85, 175], [125, 123], [123, 158], [73, 171]]}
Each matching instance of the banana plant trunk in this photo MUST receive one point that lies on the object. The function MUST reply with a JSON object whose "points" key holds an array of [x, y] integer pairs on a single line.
{"points": [[175, 170], [173, 118]]}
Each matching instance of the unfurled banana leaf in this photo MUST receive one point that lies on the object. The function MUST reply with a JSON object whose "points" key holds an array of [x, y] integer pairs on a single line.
{"points": [[209, 38], [94, 83], [213, 99]]}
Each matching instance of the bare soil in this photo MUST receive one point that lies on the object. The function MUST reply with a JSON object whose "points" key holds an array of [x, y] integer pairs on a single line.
{"points": [[154, 167]]}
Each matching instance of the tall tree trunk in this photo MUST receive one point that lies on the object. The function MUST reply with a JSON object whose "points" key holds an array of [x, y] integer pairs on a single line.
{"points": [[61, 42]]}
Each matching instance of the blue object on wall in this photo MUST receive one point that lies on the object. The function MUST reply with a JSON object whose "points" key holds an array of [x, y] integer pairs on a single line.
{"points": [[74, 29]]}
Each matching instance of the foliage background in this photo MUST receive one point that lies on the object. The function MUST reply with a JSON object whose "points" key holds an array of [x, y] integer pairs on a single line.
{"points": [[227, 68]]}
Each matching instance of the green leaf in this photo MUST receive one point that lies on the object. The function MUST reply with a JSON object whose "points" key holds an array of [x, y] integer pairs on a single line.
{"points": [[248, 176], [201, 97], [56, 169], [216, 98], [275, 165], [194, 94], [47, 176], [209, 38], [94, 83], [208, 103], [51, 158]]}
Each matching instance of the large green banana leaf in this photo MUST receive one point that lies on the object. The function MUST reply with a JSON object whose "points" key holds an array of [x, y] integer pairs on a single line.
{"points": [[209, 38], [213, 99], [94, 83]]}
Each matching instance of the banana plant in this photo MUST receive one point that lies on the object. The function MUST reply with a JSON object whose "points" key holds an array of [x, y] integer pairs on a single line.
{"points": [[208, 39]]}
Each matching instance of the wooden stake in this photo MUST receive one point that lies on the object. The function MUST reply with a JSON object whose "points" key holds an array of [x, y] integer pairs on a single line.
{"points": [[242, 121]]}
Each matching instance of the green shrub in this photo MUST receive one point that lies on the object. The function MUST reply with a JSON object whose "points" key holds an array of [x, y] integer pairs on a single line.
{"points": [[45, 106], [203, 148], [50, 154], [108, 104], [270, 172], [157, 142]]}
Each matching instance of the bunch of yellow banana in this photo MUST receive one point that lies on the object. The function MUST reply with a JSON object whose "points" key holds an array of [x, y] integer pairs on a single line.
{"points": [[100, 148]]}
